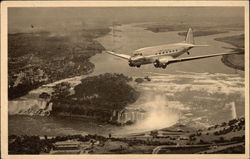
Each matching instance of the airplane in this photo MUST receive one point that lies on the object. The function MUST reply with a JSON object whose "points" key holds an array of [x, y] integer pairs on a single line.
{"points": [[162, 55]]}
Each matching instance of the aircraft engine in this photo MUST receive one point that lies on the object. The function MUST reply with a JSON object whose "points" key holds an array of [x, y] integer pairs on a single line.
{"points": [[157, 63], [162, 63]]}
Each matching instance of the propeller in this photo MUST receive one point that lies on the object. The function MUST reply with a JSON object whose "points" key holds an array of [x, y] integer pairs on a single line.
{"points": [[157, 63]]}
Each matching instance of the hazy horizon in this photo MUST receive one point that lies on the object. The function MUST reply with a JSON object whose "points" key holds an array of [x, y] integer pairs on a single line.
{"points": [[56, 18]]}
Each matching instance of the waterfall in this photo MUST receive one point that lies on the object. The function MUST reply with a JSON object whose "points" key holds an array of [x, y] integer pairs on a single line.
{"points": [[126, 115], [41, 107]]}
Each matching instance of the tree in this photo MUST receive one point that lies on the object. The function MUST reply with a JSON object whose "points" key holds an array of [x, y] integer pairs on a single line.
{"points": [[201, 141], [61, 90], [222, 139], [193, 139], [44, 95], [139, 80], [223, 124], [216, 133], [231, 122], [129, 122], [154, 134]]}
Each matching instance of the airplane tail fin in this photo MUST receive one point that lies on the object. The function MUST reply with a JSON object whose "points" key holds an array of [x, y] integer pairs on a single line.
{"points": [[190, 38]]}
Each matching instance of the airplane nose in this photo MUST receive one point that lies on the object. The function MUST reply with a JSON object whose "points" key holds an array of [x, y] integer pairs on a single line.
{"points": [[132, 58]]}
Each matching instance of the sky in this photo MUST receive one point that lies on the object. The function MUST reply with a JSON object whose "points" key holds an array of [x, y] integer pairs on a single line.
{"points": [[54, 17]]}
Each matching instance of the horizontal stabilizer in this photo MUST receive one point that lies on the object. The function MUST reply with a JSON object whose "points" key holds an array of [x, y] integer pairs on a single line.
{"points": [[123, 56]]}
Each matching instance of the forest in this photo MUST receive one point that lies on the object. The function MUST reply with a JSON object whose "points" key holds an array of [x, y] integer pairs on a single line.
{"points": [[39, 58]]}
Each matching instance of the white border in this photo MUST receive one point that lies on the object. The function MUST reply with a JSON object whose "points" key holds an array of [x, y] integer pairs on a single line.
{"points": [[4, 77]]}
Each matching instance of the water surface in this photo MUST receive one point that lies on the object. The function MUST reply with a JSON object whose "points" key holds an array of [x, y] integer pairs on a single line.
{"points": [[197, 93]]}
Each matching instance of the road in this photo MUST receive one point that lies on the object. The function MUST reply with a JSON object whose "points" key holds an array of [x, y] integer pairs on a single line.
{"points": [[218, 147], [158, 148]]}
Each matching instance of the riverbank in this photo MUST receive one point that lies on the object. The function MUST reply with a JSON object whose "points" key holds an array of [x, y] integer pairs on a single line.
{"points": [[234, 61]]}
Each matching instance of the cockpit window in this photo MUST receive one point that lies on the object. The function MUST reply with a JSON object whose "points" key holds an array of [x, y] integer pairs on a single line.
{"points": [[137, 54]]}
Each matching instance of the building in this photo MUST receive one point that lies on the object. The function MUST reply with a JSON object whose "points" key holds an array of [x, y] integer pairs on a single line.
{"points": [[73, 147], [66, 147]]}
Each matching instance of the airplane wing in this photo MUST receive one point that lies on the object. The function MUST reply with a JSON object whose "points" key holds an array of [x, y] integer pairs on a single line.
{"points": [[123, 56], [197, 57]]}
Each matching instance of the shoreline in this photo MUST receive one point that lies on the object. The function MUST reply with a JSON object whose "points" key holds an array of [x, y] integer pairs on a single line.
{"points": [[237, 42], [226, 61]]}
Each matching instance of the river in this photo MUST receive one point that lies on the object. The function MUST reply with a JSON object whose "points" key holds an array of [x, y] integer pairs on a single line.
{"points": [[184, 92], [129, 37]]}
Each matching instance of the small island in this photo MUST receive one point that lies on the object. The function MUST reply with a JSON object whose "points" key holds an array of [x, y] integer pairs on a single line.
{"points": [[96, 97]]}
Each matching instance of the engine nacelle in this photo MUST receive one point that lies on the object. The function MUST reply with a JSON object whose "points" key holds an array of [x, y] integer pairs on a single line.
{"points": [[162, 63], [131, 65]]}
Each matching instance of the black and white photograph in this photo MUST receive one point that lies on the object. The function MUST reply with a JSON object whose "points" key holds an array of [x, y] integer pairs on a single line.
{"points": [[158, 80]]}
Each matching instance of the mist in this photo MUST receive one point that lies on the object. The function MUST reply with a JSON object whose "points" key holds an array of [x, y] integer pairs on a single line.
{"points": [[160, 113]]}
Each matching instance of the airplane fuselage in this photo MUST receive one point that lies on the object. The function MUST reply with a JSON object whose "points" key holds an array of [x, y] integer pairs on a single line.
{"points": [[148, 55]]}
